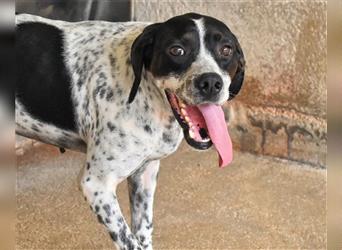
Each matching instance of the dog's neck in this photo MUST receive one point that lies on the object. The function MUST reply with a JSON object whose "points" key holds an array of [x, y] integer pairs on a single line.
{"points": [[151, 101], [149, 86]]}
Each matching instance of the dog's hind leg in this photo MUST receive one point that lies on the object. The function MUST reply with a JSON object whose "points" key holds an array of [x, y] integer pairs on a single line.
{"points": [[142, 185], [99, 187]]}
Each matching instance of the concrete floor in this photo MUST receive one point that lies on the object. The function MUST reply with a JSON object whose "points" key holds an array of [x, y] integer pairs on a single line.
{"points": [[257, 202]]}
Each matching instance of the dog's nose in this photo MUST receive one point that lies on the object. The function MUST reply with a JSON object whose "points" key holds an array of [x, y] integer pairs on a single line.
{"points": [[209, 84]]}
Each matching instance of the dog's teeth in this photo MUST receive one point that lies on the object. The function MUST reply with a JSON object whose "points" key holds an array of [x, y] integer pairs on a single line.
{"points": [[190, 124], [187, 119], [192, 134], [182, 105], [183, 111]]}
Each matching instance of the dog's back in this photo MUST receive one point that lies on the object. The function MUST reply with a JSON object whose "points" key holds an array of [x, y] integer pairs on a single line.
{"points": [[56, 62]]}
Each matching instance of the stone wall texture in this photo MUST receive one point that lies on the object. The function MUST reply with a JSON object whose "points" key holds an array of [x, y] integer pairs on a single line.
{"points": [[281, 110]]}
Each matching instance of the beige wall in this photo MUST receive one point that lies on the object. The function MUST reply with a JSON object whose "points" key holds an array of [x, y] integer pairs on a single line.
{"points": [[281, 110]]}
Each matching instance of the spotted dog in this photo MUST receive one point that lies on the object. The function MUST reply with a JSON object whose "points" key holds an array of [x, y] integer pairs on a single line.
{"points": [[126, 94]]}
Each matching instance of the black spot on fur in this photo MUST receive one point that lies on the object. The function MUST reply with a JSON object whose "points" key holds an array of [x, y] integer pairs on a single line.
{"points": [[97, 208], [138, 227], [167, 138], [111, 126], [88, 165], [148, 129], [120, 220], [106, 208], [109, 96], [35, 128], [122, 134], [119, 92], [145, 217], [134, 187], [139, 198], [142, 238], [124, 239], [146, 106], [102, 75], [102, 93], [79, 83]]}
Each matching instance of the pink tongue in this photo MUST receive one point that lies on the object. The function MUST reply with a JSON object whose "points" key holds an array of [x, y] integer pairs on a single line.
{"points": [[216, 124]]}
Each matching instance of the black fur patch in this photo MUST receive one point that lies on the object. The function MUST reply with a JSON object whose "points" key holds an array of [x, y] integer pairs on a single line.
{"points": [[43, 82], [182, 31]]}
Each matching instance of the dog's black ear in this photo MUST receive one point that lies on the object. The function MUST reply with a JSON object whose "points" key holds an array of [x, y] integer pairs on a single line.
{"points": [[237, 81], [141, 55]]}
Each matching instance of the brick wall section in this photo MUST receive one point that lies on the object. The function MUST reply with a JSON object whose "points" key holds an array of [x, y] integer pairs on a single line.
{"points": [[278, 132], [281, 110]]}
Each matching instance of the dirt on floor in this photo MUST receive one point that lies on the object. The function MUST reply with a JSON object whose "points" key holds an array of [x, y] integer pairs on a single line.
{"points": [[256, 202]]}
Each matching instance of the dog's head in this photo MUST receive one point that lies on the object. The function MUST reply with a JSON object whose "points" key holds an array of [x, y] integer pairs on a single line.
{"points": [[196, 59]]}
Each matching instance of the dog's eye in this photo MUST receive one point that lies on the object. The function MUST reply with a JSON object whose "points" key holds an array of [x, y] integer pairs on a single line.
{"points": [[177, 51], [226, 51]]}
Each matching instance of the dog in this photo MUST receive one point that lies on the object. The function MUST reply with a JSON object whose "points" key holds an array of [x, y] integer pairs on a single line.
{"points": [[126, 94]]}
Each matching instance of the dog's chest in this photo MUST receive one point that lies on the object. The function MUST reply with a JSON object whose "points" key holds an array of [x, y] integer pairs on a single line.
{"points": [[169, 138], [144, 128], [157, 120]]}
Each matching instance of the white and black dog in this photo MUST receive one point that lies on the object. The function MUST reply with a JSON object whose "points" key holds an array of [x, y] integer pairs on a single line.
{"points": [[126, 94]]}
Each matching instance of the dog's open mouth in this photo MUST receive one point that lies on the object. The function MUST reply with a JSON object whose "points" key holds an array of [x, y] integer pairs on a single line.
{"points": [[203, 125], [191, 121]]}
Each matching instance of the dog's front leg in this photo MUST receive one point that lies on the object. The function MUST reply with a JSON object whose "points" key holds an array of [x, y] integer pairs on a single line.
{"points": [[99, 184], [142, 185]]}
